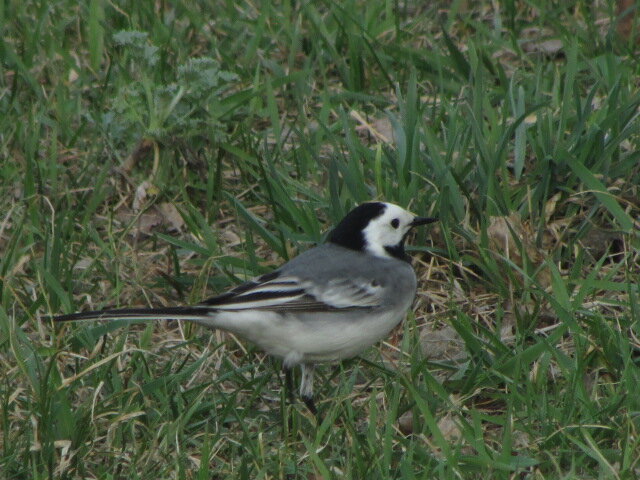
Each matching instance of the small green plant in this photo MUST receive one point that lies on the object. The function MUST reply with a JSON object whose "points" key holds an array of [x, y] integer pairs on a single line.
{"points": [[191, 105], [268, 121]]}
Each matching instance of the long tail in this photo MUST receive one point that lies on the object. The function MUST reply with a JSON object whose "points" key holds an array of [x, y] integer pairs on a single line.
{"points": [[168, 313]]}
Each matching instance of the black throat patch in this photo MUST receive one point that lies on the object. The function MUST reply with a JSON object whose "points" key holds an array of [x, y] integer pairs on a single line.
{"points": [[398, 252]]}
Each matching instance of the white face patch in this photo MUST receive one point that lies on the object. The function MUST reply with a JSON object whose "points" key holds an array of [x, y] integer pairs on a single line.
{"points": [[387, 231]]}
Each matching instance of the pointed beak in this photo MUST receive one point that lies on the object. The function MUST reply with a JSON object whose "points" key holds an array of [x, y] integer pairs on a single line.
{"points": [[422, 221]]}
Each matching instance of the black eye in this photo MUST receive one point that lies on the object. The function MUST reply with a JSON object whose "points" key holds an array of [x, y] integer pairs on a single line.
{"points": [[395, 223]]}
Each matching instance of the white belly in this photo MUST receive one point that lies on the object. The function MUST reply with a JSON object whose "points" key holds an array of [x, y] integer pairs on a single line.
{"points": [[320, 337]]}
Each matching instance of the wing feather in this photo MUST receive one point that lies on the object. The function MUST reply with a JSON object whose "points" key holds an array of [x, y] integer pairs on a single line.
{"points": [[288, 293]]}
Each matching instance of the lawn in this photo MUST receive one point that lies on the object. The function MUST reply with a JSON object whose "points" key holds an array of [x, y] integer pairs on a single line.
{"points": [[158, 153]]}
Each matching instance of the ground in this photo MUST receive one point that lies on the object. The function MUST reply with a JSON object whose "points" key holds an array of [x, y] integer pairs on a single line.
{"points": [[157, 153]]}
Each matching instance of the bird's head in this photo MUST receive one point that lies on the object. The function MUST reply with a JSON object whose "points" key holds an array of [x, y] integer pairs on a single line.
{"points": [[377, 228]]}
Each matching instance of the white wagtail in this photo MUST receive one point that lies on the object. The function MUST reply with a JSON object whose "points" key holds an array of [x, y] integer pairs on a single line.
{"points": [[329, 303]]}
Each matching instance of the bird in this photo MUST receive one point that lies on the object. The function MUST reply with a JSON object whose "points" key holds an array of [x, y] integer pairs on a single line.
{"points": [[327, 304]]}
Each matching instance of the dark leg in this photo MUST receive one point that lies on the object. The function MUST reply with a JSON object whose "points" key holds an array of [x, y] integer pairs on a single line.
{"points": [[311, 405], [306, 387], [288, 384]]}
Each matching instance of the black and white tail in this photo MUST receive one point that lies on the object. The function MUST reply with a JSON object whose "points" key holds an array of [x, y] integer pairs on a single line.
{"points": [[166, 313]]}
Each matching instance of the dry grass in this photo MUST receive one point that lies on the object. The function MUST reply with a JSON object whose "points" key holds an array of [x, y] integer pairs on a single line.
{"points": [[137, 178]]}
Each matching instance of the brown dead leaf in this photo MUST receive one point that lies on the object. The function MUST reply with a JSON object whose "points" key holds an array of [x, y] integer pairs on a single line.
{"points": [[163, 216], [442, 344], [148, 223], [530, 119], [507, 328], [540, 40], [510, 237], [627, 11], [384, 129], [501, 232], [143, 191], [550, 207], [73, 76], [521, 440], [19, 266], [230, 238], [170, 216], [142, 150], [449, 428], [405, 423], [380, 128], [598, 242], [551, 47], [36, 446]]}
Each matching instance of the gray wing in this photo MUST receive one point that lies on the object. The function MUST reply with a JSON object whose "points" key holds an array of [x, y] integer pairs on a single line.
{"points": [[279, 292]]}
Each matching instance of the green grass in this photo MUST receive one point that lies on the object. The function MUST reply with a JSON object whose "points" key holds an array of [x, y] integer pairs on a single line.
{"points": [[262, 124]]}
